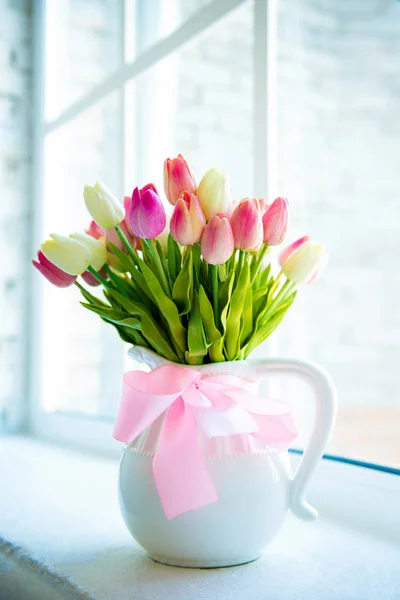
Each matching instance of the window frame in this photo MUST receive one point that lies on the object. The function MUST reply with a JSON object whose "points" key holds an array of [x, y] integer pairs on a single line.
{"points": [[92, 432]]}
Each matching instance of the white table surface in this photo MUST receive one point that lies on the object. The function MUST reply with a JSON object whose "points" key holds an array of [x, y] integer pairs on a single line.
{"points": [[63, 538]]}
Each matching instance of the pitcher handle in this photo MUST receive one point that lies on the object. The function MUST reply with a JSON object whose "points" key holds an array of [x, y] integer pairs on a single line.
{"points": [[325, 410]]}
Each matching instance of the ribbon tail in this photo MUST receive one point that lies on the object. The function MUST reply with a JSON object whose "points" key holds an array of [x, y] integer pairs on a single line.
{"points": [[180, 474]]}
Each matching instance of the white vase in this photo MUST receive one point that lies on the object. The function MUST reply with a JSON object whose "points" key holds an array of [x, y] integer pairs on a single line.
{"points": [[254, 484]]}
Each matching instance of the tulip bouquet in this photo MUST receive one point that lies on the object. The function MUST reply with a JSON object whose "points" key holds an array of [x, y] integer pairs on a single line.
{"points": [[199, 289]]}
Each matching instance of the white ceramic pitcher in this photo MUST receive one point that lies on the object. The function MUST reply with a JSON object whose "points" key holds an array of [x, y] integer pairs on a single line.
{"points": [[255, 487]]}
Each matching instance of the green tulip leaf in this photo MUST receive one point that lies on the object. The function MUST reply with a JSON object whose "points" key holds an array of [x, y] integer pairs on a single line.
{"points": [[174, 258], [235, 312], [264, 275], [213, 334], [224, 299], [138, 280], [222, 272], [90, 298], [246, 328], [197, 342], [182, 290], [167, 307]]}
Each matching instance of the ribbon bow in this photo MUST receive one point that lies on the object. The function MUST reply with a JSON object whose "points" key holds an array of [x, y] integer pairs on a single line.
{"points": [[219, 405]]}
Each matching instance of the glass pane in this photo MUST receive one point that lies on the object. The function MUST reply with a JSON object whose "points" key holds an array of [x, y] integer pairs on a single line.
{"points": [[338, 151], [207, 113], [156, 19], [81, 356], [83, 45]]}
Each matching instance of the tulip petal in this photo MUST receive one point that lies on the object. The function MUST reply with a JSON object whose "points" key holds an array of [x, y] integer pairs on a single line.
{"points": [[67, 254], [147, 217], [247, 225], [275, 221], [217, 241], [302, 264], [54, 275], [97, 249], [293, 246], [214, 193]]}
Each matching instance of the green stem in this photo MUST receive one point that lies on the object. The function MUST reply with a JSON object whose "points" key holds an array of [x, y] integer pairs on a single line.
{"points": [[215, 294], [255, 267], [285, 290], [115, 280], [98, 277], [127, 245]]}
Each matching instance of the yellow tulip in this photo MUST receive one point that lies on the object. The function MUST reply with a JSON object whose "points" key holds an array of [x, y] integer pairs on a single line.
{"points": [[302, 263], [67, 254], [214, 194], [102, 205], [96, 247]]}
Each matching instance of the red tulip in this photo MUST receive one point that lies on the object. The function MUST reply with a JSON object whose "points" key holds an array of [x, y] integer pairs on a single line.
{"points": [[275, 222], [52, 273], [178, 178]]}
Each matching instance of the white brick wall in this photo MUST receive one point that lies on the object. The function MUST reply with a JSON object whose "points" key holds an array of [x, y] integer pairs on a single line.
{"points": [[338, 148]]}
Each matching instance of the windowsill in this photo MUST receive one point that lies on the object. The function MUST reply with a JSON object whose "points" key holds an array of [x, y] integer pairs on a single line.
{"points": [[59, 510]]}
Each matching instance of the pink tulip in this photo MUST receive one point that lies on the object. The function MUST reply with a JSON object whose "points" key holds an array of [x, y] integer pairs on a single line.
{"points": [[146, 214], [247, 225], [95, 230], [128, 203], [112, 236], [275, 222], [91, 279], [187, 221], [52, 273], [263, 205], [178, 178], [217, 241], [293, 246]]}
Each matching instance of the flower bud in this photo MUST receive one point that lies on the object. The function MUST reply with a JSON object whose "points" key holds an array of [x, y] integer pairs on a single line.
{"points": [[187, 221], [94, 230], [247, 225], [146, 215], [178, 178], [52, 273], [69, 255], [293, 246], [102, 205], [91, 279], [275, 222], [217, 240], [303, 262], [214, 193], [97, 249]]}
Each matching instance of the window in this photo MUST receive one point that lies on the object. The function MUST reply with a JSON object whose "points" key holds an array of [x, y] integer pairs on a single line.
{"points": [[130, 84], [294, 98]]}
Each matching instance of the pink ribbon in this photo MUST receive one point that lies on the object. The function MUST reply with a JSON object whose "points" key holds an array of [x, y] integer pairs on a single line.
{"points": [[220, 405]]}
